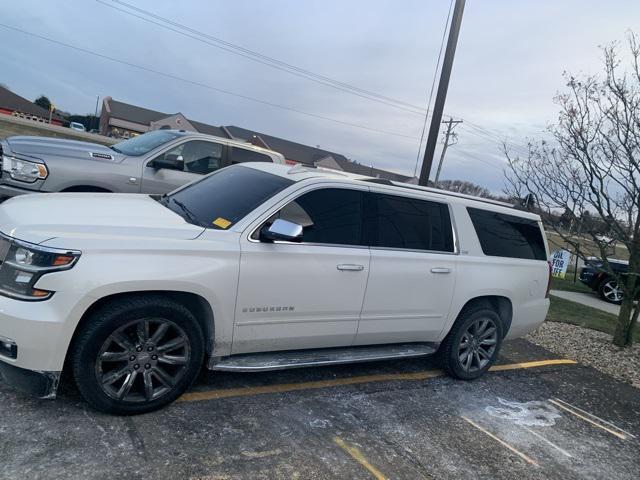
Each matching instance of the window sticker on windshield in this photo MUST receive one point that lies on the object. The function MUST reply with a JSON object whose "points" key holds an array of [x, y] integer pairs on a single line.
{"points": [[221, 222]]}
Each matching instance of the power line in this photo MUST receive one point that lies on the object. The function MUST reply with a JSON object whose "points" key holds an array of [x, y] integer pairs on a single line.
{"points": [[252, 55], [433, 83], [473, 157], [204, 85], [479, 134], [190, 32], [496, 136]]}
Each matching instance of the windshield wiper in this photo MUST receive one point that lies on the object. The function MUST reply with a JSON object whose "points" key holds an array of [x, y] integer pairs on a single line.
{"points": [[188, 213], [115, 149]]}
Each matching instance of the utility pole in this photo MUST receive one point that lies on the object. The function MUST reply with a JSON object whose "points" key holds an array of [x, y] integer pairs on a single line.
{"points": [[96, 114], [449, 133], [443, 85]]}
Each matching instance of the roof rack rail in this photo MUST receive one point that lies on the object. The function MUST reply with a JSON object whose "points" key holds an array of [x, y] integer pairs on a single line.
{"points": [[381, 181], [384, 181]]}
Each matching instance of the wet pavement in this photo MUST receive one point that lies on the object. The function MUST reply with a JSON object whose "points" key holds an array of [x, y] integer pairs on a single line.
{"points": [[400, 420]]}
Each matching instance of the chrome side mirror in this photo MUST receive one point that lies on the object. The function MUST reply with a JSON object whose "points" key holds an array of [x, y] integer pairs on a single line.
{"points": [[282, 230]]}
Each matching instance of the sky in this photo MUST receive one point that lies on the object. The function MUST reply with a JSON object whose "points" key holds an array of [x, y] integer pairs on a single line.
{"points": [[509, 64]]}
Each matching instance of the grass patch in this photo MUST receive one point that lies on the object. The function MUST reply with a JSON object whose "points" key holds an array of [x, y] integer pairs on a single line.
{"points": [[587, 247], [566, 311], [567, 285]]}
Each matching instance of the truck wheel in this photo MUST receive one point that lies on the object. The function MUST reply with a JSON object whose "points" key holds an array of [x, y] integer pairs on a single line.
{"points": [[473, 343], [610, 291], [136, 355]]}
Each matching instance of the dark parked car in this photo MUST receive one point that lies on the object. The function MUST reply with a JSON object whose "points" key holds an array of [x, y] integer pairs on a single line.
{"points": [[594, 276]]}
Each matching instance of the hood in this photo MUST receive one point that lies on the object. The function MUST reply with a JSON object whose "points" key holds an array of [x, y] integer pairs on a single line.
{"points": [[45, 147], [40, 217]]}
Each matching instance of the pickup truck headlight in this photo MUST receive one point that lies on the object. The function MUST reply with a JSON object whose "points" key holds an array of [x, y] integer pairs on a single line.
{"points": [[24, 170], [23, 265]]}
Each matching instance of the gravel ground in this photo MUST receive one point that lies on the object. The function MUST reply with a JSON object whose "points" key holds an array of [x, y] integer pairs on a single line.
{"points": [[590, 347]]}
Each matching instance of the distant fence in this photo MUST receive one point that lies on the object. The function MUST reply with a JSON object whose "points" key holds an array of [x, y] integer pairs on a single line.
{"points": [[10, 125]]}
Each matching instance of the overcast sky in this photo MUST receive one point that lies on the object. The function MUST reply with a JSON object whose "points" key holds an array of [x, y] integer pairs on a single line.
{"points": [[508, 66]]}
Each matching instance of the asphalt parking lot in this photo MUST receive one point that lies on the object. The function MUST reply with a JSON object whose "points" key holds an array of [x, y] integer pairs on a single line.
{"points": [[534, 416]]}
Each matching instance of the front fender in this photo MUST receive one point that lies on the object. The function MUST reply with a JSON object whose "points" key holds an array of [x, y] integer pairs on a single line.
{"points": [[210, 275]]}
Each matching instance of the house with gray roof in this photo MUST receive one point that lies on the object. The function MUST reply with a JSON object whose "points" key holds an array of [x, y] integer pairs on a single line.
{"points": [[15, 105], [123, 120], [313, 156], [120, 120]]}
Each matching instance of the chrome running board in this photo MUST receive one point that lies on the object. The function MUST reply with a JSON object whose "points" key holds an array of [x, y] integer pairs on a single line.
{"points": [[255, 362]]}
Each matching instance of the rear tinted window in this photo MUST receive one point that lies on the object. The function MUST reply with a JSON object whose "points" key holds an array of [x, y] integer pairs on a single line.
{"points": [[399, 222], [241, 155], [507, 235]]}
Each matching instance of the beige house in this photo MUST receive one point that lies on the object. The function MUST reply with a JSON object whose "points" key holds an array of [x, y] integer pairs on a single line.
{"points": [[122, 120]]}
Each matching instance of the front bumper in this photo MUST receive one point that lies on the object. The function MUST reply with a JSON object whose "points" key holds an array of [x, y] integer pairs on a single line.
{"points": [[42, 331], [589, 277], [39, 384]]}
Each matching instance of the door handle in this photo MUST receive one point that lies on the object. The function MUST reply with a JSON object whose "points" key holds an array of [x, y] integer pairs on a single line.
{"points": [[350, 267], [440, 270]]}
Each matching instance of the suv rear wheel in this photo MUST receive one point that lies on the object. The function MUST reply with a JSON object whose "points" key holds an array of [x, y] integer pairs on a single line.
{"points": [[473, 343], [137, 355], [610, 291]]}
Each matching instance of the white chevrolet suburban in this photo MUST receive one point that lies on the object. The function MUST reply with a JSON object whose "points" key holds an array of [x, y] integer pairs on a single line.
{"points": [[256, 267]]}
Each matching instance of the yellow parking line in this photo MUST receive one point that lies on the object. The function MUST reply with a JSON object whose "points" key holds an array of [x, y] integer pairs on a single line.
{"points": [[385, 377], [596, 424], [502, 442], [548, 442], [578, 409], [534, 364], [357, 455]]}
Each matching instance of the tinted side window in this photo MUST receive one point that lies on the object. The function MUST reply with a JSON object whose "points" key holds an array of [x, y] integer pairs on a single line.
{"points": [[507, 235], [240, 155], [400, 222], [202, 157], [198, 156], [331, 215]]}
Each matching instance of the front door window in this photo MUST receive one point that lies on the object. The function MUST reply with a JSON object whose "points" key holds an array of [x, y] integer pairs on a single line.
{"points": [[199, 156]]}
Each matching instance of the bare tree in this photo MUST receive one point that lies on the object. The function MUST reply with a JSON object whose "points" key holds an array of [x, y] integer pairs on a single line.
{"points": [[591, 169], [463, 186]]}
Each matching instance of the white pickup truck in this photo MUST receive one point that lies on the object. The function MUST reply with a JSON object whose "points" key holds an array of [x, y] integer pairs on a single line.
{"points": [[255, 267]]}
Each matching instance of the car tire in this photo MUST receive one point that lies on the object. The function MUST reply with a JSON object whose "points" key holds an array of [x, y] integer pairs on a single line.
{"points": [[137, 354], [609, 292], [473, 343]]}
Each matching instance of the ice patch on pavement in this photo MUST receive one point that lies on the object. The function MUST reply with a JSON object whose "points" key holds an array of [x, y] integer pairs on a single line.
{"points": [[530, 414]]}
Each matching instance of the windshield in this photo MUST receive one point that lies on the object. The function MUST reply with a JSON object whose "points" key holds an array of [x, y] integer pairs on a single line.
{"points": [[223, 198], [144, 143]]}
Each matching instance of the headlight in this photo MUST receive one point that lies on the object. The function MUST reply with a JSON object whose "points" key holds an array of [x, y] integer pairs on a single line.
{"points": [[24, 263], [24, 170]]}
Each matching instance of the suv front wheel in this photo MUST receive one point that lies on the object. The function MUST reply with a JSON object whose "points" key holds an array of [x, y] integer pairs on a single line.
{"points": [[473, 343], [137, 355]]}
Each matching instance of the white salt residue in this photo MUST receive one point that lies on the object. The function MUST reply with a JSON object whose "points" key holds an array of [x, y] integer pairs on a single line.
{"points": [[319, 423], [530, 414]]}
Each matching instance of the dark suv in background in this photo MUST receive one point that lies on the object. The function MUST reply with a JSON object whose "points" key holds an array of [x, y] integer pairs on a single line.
{"points": [[593, 275]]}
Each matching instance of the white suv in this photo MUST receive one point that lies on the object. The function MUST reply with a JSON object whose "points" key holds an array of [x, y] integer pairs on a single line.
{"points": [[256, 267]]}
